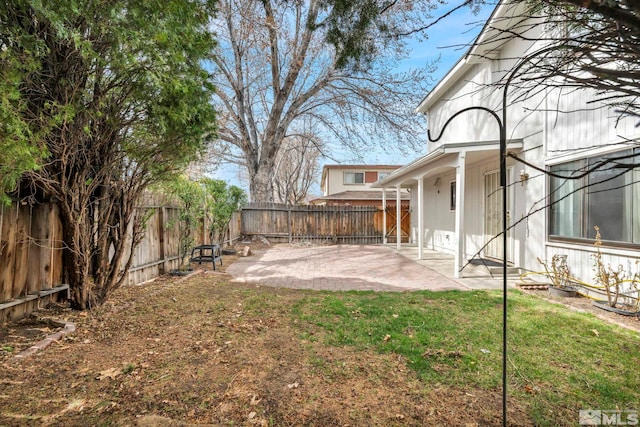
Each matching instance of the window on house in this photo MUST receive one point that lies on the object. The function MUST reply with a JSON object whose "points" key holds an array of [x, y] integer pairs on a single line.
{"points": [[382, 175], [606, 197], [354, 177], [452, 196]]}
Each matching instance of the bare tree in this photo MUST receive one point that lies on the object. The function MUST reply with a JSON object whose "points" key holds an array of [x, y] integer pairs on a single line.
{"points": [[296, 169], [274, 69]]}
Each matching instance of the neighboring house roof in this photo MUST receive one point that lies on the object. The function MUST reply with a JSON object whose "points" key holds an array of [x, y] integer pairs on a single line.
{"points": [[361, 166], [364, 195]]}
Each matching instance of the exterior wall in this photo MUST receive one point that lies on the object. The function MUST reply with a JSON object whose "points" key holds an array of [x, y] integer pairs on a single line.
{"points": [[587, 129], [469, 91], [439, 219], [334, 182], [585, 126], [476, 88], [577, 130]]}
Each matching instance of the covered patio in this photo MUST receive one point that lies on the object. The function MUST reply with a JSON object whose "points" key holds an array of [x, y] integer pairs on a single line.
{"points": [[450, 198]]}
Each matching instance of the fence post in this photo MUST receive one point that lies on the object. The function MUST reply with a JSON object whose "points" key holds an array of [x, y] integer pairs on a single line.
{"points": [[161, 236], [289, 225]]}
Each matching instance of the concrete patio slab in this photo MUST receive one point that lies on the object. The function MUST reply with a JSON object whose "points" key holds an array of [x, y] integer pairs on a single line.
{"points": [[340, 267]]}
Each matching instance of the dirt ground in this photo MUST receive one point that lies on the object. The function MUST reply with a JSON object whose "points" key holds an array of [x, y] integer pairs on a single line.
{"points": [[202, 351]]}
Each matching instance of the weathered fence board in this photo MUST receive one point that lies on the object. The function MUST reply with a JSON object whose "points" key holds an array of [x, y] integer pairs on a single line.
{"points": [[30, 257], [284, 223], [31, 253]]}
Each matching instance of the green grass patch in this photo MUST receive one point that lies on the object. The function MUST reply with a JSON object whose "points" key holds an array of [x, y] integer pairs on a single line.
{"points": [[559, 360]]}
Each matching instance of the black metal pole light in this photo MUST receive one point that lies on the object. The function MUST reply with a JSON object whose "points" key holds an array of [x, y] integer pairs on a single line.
{"points": [[503, 185]]}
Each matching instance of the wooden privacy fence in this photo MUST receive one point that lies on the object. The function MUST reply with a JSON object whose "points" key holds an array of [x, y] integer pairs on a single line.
{"points": [[31, 242], [31, 253], [30, 257], [339, 224]]}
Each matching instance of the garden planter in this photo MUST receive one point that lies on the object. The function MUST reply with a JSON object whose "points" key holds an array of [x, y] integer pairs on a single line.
{"points": [[562, 292], [604, 305]]}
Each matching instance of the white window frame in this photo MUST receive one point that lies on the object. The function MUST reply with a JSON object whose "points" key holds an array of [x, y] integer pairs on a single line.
{"points": [[355, 175]]}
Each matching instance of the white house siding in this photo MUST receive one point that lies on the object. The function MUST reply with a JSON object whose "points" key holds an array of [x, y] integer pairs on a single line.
{"points": [[577, 130], [527, 238], [581, 263], [470, 90], [439, 219], [582, 129]]}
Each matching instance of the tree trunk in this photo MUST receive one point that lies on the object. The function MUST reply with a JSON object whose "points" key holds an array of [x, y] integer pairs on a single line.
{"points": [[260, 182]]}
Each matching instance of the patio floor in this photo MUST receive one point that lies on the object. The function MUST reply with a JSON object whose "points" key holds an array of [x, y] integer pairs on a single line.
{"points": [[354, 267]]}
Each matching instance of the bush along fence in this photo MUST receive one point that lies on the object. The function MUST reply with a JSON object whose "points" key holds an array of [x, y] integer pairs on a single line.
{"points": [[316, 224], [31, 253]]}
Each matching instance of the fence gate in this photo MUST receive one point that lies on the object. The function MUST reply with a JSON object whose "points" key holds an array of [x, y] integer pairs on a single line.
{"points": [[392, 224]]}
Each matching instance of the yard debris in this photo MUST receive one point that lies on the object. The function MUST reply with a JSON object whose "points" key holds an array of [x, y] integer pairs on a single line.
{"points": [[485, 351], [109, 373], [293, 385], [246, 251], [386, 338], [595, 332]]}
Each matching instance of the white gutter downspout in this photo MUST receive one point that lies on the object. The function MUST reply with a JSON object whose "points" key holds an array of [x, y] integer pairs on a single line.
{"points": [[384, 216], [420, 217], [398, 219], [460, 249]]}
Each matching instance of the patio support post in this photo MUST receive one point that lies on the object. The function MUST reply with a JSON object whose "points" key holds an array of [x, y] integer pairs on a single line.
{"points": [[384, 216], [459, 214], [420, 217], [398, 218]]}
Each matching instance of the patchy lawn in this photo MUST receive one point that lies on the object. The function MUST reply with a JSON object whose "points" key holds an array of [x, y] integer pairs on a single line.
{"points": [[203, 351]]}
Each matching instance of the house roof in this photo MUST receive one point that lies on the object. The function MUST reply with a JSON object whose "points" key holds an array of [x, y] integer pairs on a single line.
{"points": [[364, 195], [406, 173], [486, 45], [361, 166]]}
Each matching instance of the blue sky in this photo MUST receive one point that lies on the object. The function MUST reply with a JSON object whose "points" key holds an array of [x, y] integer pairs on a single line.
{"points": [[447, 40]]}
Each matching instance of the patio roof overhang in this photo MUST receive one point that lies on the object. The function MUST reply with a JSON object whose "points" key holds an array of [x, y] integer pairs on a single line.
{"points": [[443, 157]]}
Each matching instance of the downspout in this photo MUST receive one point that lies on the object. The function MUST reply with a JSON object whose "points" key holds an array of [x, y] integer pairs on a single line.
{"points": [[420, 217], [384, 215]]}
